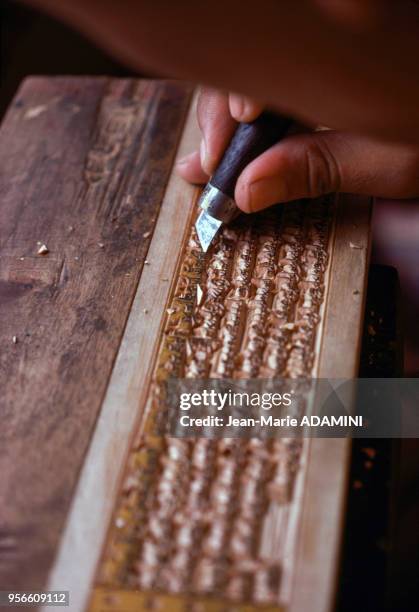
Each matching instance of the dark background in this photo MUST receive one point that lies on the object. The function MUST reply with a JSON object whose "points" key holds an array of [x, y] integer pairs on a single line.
{"points": [[32, 43]]}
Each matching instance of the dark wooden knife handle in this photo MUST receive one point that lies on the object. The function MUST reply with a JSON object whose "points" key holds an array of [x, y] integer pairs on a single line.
{"points": [[249, 141]]}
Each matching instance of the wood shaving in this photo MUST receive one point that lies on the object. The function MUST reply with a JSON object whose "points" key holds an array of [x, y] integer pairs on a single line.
{"points": [[146, 234], [146, 263], [355, 246], [145, 311], [100, 245], [43, 249], [289, 326], [199, 294], [14, 340]]}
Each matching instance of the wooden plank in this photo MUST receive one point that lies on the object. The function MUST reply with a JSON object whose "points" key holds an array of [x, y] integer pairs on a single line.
{"points": [[84, 164], [344, 310], [143, 356], [130, 383]]}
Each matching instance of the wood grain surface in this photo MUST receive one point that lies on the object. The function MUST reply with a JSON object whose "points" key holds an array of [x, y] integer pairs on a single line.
{"points": [[99, 483], [84, 165]]}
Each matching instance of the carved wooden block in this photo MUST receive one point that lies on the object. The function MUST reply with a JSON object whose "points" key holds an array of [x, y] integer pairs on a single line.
{"points": [[158, 523], [228, 524], [212, 517]]}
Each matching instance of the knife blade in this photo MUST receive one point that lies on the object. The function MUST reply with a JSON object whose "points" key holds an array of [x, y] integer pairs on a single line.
{"points": [[217, 199]]}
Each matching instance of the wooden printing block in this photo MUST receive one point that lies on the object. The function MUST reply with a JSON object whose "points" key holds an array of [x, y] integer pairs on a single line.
{"points": [[163, 523]]}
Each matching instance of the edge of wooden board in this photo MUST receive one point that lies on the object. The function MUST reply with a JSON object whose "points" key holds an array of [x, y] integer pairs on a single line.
{"points": [[98, 485], [319, 540]]}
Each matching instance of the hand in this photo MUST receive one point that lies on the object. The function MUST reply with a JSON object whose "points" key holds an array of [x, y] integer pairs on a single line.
{"points": [[304, 164]]}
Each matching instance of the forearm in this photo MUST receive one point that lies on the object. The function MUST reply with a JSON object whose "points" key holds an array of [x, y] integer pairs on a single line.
{"points": [[290, 55]]}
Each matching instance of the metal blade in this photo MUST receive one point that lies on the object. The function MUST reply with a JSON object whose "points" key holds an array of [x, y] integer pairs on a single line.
{"points": [[206, 228]]}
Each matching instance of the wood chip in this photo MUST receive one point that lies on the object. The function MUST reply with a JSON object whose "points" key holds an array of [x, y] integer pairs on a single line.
{"points": [[35, 111], [43, 249], [355, 246], [145, 311], [289, 326], [199, 294], [100, 245], [14, 340], [146, 234], [146, 263]]}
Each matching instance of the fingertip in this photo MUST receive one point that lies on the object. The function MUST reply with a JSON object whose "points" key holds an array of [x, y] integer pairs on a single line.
{"points": [[189, 168], [217, 127], [242, 197], [259, 194], [236, 105], [208, 162], [243, 108], [263, 183]]}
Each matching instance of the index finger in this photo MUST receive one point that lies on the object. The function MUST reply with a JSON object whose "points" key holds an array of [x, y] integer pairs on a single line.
{"points": [[217, 127]]}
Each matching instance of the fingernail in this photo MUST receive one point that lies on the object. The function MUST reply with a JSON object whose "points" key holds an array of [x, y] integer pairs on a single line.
{"points": [[237, 107], [206, 161], [262, 193], [203, 153]]}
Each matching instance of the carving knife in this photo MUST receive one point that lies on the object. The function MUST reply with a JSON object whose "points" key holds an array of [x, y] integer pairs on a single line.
{"points": [[248, 142]]}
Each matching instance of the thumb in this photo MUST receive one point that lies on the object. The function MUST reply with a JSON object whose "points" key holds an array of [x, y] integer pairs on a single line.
{"points": [[310, 165]]}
